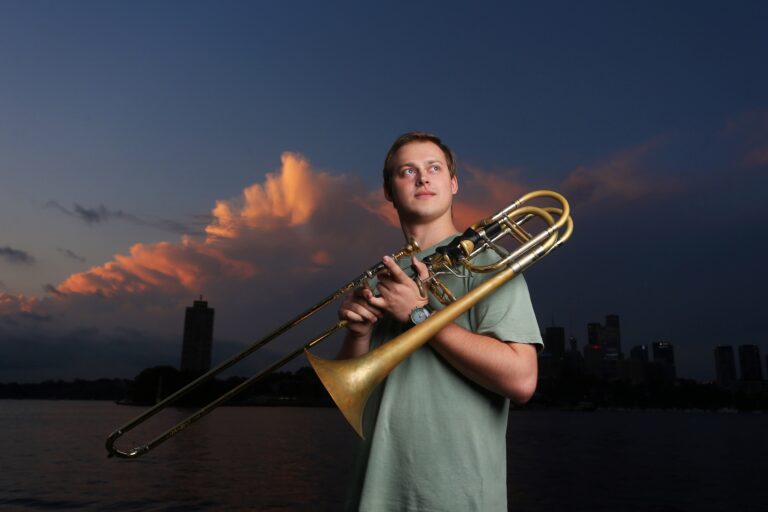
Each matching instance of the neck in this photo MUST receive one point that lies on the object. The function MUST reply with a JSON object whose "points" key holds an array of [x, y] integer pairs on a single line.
{"points": [[427, 235]]}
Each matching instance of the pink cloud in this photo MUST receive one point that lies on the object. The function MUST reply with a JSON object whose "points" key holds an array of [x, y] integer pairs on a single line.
{"points": [[285, 199], [750, 130], [621, 177], [278, 233], [163, 266], [375, 203], [757, 157], [11, 304]]}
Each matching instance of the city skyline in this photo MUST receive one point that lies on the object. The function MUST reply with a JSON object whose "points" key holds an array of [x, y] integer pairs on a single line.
{"points": [[150, 153]]}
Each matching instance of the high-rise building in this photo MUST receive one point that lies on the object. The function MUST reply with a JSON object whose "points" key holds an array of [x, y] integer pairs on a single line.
{"points": [[603, 349], [663, 352], [725, 365], [607, 337], [639, 353], [554, 341], [198, 338], [551, 358], [664, 359], [611, 337], [749, 361], [593, 333]]}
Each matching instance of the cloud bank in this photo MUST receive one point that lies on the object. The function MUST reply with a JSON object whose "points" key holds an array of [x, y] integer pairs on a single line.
{"points": [[273, 250]]}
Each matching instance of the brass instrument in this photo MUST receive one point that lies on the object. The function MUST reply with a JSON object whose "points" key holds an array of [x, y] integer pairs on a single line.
{"points": [[351, 381]]}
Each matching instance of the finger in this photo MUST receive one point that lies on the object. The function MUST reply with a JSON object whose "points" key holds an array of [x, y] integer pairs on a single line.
{"points": [[358, 313], [350, 316], [421, 268], [367, 315], [378, 302], [384, 286], [394, 270], [371, 311], [366, 294]]}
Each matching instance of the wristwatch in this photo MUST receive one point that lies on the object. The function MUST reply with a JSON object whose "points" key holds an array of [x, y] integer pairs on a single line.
{"points": [[420, 314]]}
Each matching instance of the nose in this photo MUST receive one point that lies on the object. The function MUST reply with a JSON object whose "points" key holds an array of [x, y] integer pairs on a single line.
{"points": [[422, 178]]}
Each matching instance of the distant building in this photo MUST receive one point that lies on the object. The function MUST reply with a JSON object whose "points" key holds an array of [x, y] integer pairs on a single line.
{"points": [[749, 361], [639, 353], [610, 337], [573, 362], [554, 341], [635, 369], [664, 352], [593, 359], [551, 358], [602, 352], [725, 365], [663, 362], [198, 338]]}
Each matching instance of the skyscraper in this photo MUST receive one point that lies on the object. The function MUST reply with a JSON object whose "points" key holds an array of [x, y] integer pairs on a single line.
{"points": [[663, 352], [664, 358], [611, 337], [725, 365], [639, 353], [607, 337], [554, 341], [602, 352], [749, 361], [198, 338]]}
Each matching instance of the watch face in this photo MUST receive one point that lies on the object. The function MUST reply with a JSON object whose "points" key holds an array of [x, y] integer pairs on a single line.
{"points": [[418, 315]]}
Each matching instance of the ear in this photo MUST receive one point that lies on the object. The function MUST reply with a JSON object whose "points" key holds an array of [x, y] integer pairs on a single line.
{"points": [[454, 184], [387, 194]]}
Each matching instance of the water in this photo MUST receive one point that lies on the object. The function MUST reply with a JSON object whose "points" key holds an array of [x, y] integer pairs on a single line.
{"points": [[298, 459]]}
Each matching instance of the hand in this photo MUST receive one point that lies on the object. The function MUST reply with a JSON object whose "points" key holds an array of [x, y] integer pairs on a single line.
{"points": [[359, 314], [399, 294]]}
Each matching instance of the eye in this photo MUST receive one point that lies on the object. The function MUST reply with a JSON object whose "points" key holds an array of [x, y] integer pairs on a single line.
{"points": [[407, 171], [434, 168]]}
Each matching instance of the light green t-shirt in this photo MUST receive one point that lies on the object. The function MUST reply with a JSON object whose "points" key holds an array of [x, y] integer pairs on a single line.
{"points": [[434, 440]]}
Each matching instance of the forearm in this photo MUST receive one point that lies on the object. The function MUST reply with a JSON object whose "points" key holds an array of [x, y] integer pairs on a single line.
{"points": [[509, 369]]}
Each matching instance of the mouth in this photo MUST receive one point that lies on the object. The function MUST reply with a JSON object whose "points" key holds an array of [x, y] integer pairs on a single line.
{"points": [[424, 194]]}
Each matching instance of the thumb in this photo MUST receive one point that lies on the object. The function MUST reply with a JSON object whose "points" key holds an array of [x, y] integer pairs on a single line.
{"points": [[420, 267]]}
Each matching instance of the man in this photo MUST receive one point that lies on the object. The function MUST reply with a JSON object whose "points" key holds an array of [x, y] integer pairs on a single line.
{"points": [[436, 428]]}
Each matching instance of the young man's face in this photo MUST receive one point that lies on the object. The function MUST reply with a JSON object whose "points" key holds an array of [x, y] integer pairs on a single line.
{"points": [[422, 186]]}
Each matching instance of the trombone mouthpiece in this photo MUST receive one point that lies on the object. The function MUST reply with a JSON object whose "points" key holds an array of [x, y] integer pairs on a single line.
{"points": [[410, 248]]}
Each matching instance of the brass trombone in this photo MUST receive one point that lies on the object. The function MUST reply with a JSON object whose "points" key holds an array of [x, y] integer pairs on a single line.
{"points": [[351, 381]]}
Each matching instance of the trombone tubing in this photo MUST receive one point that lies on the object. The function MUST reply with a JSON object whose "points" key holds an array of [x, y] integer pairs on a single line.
{"points": [[114, 436], [203, 411]]}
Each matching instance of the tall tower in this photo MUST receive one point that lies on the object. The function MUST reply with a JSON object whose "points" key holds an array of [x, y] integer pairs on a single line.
{"points": [[611, 337], [639, 353], [749, 361], [725, 365], [198, 338], [555, 341], [664, 358]]}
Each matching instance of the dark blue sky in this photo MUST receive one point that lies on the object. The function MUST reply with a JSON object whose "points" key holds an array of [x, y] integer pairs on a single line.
{"points": [[125, 123]]}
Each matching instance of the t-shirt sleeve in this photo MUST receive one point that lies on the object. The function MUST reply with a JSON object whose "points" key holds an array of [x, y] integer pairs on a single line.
{"points": [[508, 314]]}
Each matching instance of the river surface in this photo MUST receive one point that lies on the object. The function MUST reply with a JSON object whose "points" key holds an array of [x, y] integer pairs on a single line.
{"points": [[52, 457]]}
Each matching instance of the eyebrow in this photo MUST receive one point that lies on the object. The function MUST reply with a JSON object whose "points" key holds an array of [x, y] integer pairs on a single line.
{"points": [[409, 164]]}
